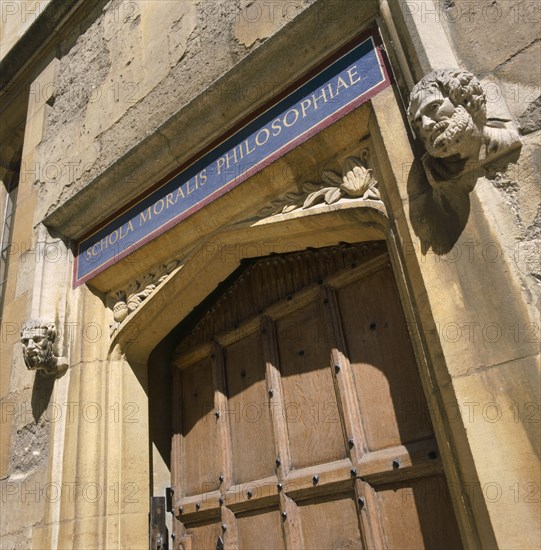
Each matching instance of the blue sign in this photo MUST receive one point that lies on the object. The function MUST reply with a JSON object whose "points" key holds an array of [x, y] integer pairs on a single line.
{"points": [[331, 93]]}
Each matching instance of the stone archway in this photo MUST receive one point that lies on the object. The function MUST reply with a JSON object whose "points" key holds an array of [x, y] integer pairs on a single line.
{"points": [[298, 416]]}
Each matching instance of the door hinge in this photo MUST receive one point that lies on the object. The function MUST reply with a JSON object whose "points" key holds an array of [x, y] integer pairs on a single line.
{"points": [[159, 535]]}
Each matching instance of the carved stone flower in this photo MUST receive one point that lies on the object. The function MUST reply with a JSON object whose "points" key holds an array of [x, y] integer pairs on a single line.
{"points": [[356, 179]]}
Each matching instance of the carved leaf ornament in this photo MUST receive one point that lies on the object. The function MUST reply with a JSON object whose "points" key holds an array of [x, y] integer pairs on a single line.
{"points": [[357, 181], [130, 298]]}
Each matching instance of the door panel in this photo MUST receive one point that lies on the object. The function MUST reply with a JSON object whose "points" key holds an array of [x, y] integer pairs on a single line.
{"points": [[418, 514], [393, 406], [315, 434], [320, 517], [260, 530], [249, 423], [301, 421], [200, 445], [203, 536]]}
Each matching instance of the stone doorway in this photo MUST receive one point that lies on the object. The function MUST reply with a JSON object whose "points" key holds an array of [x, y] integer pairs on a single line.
{"points": [[299, 420]]}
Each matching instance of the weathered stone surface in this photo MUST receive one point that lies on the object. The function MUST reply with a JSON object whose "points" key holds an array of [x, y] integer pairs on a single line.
{"points": [[259, 19], [498, 28], [530, 120], [30, 446], [23, 500], [500, 409]]}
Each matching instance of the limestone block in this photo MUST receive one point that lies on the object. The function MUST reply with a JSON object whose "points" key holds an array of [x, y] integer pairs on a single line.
{"points": [[23, 229], [7, 410], [167, 26], [500, 411], [514, 205], [499, 29], [83, 533], [71, 413], [14, 313], [15, 18], [28, 175], [526, 177], [5, 371], [89, 336], [41, 537], [521, 79], [9, 296], [60, 162], [43, 89], [135, 437], [18, 539], [476, 328], [122, 85], [144, 40], [259, 19], [90, 416], [134, 531], [23, 497], [530, 120], [35, 128], [30, 434]]}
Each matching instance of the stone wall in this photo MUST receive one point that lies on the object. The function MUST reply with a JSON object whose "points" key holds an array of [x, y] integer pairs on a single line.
{"points": [[134, 64], [499, 40]]}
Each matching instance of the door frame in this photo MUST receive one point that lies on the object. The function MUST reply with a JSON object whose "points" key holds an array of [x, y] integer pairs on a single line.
{"points": [[216, 255], [216, 258]]}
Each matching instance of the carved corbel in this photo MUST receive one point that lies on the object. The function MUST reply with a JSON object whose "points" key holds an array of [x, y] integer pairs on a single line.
{"points": [[448, 110], [38, 339]]}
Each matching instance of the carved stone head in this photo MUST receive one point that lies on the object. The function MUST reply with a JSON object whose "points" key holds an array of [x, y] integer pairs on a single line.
{"points": [[448, 110], [37, 339]]}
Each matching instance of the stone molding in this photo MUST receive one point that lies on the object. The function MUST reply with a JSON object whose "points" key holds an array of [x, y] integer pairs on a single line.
{"points": [[128, 299]]}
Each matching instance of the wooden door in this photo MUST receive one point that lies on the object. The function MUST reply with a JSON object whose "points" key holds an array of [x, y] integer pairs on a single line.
{"points": [[299, 418]]}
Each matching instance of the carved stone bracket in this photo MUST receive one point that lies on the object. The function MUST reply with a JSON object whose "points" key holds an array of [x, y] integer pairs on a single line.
{"points": [[128, 299], [355, 182], [38, 339]]}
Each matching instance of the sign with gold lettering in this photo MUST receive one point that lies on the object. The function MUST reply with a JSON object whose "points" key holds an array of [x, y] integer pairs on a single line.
{"points": [[346, 81]]}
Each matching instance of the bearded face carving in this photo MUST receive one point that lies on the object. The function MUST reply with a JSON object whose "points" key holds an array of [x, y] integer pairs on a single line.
{"points": [[448, 111], [37, 339]]}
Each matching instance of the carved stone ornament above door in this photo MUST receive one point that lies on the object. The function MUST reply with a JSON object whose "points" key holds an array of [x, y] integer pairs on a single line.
{"points": [[355, 182], [127, 300], [448, 110]]}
